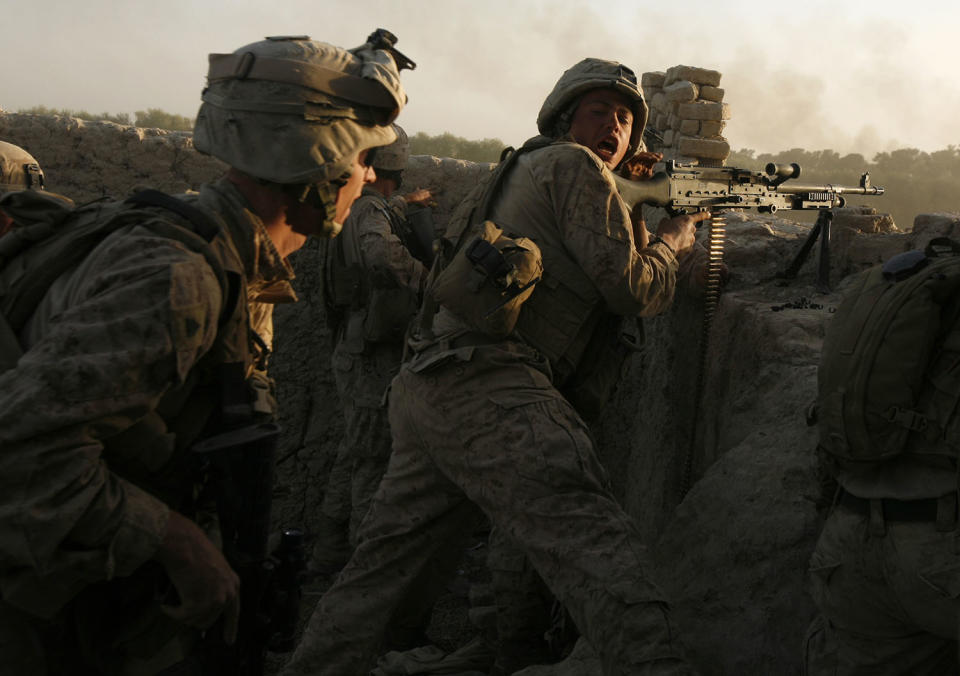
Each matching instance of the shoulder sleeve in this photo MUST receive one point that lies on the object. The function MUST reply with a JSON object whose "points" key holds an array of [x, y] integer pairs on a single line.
{"points": [[130, 324], [596, 229], [381, 249]]}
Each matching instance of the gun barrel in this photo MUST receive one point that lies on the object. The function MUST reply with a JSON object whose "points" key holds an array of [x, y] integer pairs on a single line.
{"points": [[792, 189]]}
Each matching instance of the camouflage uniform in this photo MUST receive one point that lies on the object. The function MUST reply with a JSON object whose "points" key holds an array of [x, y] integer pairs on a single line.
{"points": [[478, 421], [363, 368], [888, 587], [106, 399]]}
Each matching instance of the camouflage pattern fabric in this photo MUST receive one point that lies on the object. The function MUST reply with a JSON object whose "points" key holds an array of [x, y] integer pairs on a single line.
{"points": [[890, 602], [91, 421], [364, 449], [485, 425]]}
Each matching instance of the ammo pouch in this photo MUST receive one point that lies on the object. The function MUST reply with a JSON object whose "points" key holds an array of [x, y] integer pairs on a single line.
{"points": [[488, 279]]}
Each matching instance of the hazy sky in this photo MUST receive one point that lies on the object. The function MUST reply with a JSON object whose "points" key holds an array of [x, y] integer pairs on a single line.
{"points": [[848, 75]]}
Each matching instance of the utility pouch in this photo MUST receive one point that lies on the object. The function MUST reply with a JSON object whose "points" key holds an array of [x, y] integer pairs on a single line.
{"points": [[488, 279]]}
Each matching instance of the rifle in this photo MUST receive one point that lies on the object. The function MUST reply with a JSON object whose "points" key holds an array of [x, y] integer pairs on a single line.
{"points": [[240, 464]]}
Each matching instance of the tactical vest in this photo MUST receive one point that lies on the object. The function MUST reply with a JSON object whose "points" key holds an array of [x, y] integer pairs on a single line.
{"points": [[562, 315], [889, 376]]}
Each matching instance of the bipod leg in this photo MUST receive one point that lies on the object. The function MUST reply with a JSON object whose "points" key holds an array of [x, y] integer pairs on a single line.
{"points": [[824, 218], [801, 257]]}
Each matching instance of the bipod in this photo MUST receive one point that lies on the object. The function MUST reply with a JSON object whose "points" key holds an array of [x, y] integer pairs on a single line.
{"points": [[821, 230]]}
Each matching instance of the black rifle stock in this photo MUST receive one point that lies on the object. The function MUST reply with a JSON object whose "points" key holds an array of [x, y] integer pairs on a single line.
{"points": [[240, 469], [682, 188]]}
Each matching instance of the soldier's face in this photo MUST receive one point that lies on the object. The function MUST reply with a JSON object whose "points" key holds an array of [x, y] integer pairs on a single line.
{"points": [[603, 122], [361, 175]]}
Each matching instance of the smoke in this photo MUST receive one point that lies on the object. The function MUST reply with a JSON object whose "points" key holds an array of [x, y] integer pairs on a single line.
{"points": [[832, 75]]}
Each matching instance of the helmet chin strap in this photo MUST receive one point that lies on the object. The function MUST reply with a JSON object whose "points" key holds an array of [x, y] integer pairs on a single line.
{"points": [[323, 197]]}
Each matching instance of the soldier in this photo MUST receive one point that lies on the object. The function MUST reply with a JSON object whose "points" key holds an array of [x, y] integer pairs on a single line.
{"points": [[373, 285], [479, 420], [885, 573], [142, 351], [19, 171]]}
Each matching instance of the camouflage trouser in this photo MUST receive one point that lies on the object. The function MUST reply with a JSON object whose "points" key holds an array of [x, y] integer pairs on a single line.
{"points": [[360, 463], [525, 608], [889, 602], [365, 446], [482, 425]]}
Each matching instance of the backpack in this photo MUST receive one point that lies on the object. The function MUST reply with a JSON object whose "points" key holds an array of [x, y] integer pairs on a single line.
{"points": [[481, 273], [51, 237], [889, 376]]}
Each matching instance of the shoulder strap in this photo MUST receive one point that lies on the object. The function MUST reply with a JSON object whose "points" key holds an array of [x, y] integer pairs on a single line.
{"points": [[454, 240], [203, 224]]}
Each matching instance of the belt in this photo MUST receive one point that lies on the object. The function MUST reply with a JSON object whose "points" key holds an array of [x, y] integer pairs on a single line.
{"points": [[893, 510]]}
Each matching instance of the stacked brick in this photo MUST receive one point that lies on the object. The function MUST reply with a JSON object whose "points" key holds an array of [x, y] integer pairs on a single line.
{"points": [[688, 114]]}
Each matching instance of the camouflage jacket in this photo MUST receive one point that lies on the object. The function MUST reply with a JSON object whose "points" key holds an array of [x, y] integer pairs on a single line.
{"points": [[96, 415]]}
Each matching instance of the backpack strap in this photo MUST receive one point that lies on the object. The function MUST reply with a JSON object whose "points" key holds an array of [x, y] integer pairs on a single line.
{"points": [[203, 224]]}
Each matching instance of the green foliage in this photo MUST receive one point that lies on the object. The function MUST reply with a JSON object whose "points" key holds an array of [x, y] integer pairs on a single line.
{"points": [[155, 117], [119, 118], [457, 147], [915, 182]]}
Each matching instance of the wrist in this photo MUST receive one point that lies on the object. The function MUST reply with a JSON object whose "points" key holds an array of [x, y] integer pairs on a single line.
{"points": [[657, 239]]}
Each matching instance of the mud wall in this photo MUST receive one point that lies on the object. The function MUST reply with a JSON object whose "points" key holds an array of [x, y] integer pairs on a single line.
{"points": [[732, 552]]}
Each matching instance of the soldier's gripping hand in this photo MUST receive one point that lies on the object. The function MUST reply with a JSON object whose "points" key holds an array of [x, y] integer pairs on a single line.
{"points": [[679, 232], [640, 166], [422, 197], [205, 582]]}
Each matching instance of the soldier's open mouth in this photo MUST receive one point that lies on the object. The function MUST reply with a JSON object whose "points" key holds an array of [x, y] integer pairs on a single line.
{"points": [[607, 148]]}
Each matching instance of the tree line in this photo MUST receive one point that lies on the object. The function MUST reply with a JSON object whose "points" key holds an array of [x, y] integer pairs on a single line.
{"points": [[151, 117], [914, 181]]}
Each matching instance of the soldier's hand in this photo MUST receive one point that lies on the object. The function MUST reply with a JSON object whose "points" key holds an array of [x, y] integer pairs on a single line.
{"points": [[640, 166], [679, 232], [205, 582], [420, 196]]}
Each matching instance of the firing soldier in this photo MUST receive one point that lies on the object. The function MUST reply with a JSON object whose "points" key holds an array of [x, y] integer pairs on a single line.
{"points": [[140, 388], [20, 171], [373, 282], [481, 421]]}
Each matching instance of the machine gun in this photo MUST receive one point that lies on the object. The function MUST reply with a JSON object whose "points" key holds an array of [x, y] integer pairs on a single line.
{"points": [[683, 188]]}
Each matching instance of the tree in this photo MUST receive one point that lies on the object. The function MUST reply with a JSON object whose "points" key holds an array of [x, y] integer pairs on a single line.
{"points": [[118, 118], [161, 119]]}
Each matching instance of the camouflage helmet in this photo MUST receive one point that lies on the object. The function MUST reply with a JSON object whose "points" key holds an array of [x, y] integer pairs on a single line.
{"points": [[394, 156], [292, 110], [581, 78], [18, 169]]}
